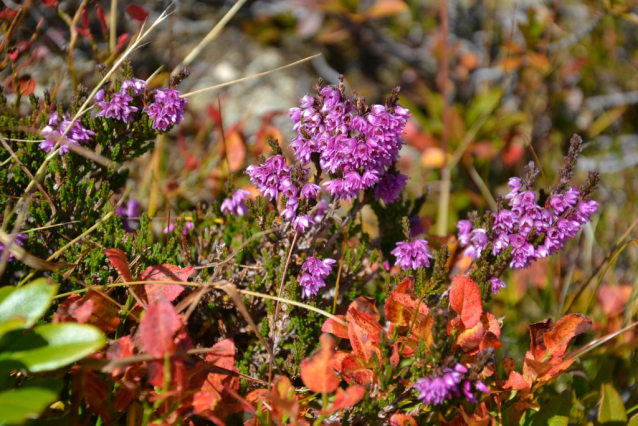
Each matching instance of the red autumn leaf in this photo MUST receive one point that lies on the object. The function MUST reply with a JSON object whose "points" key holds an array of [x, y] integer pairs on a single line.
{"points": [[317, 372], [353, 369], [490, 340], [336, 328], [26, 85], [88, 385], [214, 387], [121, 41], [120, 262], [367, 322], [363, 342], [566, 329], [366, 305], [165, 272], [347, 398], [516, 381], [402, 303], [50, 3], [402, 420], [235, 149], [283, 399], [121, 348], [93, 308], [613, 299], [137, 12], [158, 327], [7, 14], [102, 18], [470, 339], [465, 299]]}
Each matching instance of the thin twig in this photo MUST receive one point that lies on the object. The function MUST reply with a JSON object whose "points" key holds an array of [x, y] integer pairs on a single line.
{"points": [[274, 321], [218, 86]]}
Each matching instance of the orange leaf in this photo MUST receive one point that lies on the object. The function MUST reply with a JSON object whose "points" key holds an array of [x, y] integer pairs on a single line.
{"points": [[347, 398], [354, 369], [363, 344], [317, 372], [367, 322], [402, 303], [385, 8], [120, 262], [402, 420], [465, 299], [516, 381], [93, 308], [567, 328], [489, 341], [470, 339], [235, 150], [366, 305], [26, 85], [336, 328], [158, 327], [165, 272]]}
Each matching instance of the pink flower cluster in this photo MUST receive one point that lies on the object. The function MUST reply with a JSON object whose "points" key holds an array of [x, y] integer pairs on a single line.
{"points": [[274, 177], [562, 216], [412, 255], [316, 271], [168, 108], [235, 203], [435, 389], [356, 145], [118, 105], [76, 135]]}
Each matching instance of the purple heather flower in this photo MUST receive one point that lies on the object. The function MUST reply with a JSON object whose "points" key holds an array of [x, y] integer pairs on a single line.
{"points": [[19, 240], [168, 108], [187, 227], [76, 135], [320, 210], [389, 188], [169, 228], [303, 222], [412, 255], [497, 285], [310, 190], [316, 270], [118, 107], [270, 176], [465, 229], [138, 86], [435, 389], [131, 209], [235, 203]]}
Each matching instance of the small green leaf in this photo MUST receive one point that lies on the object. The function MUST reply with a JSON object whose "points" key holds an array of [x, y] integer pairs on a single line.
{"points": [[28, 401], [612, 410], [52, 346], [633, 421], [555, 412], [29, 302]]}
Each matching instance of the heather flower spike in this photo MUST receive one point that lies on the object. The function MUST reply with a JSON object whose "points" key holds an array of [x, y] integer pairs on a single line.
{"points": [[412, 255], [314, 273], [235, 203], [530, 230], [76, 135]]}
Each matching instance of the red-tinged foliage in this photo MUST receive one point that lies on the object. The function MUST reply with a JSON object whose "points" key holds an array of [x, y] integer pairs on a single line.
{"points": [[102, 18], [336, 328], [158, 327], [26, 84], [234, 148], [121, 348], [402, 303], [317, 372], [93, 308], [465, 299], [213, 398], [121, 41], [402, 420], [120, 262], [165, 272], [137, 12], [347, 398], [88, 386]]}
